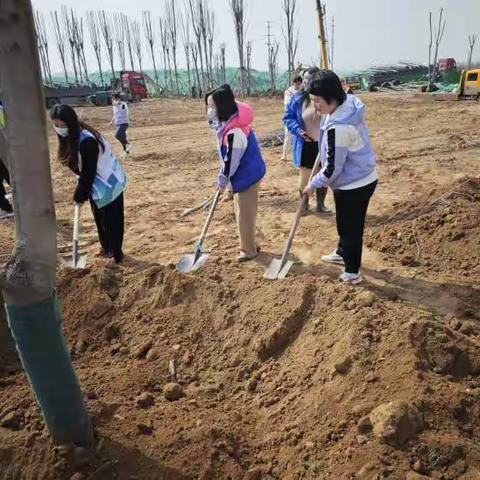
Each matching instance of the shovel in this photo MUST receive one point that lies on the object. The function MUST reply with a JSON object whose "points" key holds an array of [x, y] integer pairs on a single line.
{"points": [[193, 261], [76, 260], [205, 204], [279, 269]]}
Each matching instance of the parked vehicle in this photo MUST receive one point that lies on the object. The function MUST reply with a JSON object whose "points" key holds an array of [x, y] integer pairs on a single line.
{"points": [[469, 84], [447, 65], [133, 86]]}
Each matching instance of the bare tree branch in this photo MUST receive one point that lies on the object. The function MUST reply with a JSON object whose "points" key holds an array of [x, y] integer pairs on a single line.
{"points": [[137, 43], [149, 31], [238, 9], [119, 34], [106, 29], [129, 40], [290, 34], [472, 40], [60, 40], [95, 40]]}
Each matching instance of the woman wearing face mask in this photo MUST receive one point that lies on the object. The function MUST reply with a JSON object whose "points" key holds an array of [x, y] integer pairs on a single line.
{"points": [[101, 177], [303, 122], [243, 167], [348, 168], [120, 119]]}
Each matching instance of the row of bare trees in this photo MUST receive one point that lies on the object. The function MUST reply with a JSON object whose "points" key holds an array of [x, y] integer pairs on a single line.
{"points": [[122, 41]]}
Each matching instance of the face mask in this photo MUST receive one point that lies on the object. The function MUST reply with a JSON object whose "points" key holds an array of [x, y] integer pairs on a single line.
{"points": [[62, 131], [212, 115]]}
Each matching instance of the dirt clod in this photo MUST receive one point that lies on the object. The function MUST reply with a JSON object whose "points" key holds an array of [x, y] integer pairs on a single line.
{"points": [[343, 366], [145, 400], [11, 420], [173, 392], [101, 307], [396, 422]]}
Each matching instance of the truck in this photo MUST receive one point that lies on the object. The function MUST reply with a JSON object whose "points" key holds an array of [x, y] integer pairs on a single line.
{"points": [[131, 86], [469, 87], [447, 65]]}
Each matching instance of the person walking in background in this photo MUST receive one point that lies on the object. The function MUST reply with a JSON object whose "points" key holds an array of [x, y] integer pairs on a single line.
{"points": [[349, 168], [303, 122], [289, 94], [101, 177], [121, 121], [243, 167]]}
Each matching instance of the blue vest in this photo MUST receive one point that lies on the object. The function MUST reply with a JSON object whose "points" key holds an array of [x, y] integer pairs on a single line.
{"points": [[252, 167]]}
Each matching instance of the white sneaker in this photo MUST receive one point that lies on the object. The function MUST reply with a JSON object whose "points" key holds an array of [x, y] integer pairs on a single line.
{"points": [[128, 148], [334, 258], [353, 278]]}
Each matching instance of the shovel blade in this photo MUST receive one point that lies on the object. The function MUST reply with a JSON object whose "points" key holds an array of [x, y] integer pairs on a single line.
{"points": [[80, 263], [188, 264], [276, 271]]}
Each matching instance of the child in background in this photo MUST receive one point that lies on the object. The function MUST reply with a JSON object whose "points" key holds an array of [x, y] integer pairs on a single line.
{"points": [[121, 121]]}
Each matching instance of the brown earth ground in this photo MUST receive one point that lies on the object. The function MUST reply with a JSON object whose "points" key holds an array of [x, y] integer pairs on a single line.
{"points": [[280, 378]]}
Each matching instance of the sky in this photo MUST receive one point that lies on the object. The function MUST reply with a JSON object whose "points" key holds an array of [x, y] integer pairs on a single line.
{"points": [[367, 32]]}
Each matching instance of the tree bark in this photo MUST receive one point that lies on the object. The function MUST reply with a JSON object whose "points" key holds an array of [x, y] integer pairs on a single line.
{"points": [[28, 279]]}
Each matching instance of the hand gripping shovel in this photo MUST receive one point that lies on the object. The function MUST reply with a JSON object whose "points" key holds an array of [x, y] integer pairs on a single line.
{"points": [[193, 261], [279, 269], [77, 260]]}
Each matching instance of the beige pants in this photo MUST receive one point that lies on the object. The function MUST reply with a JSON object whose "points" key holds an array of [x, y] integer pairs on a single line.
{"points": [[287, 144], [304, 178], [246, 206]]}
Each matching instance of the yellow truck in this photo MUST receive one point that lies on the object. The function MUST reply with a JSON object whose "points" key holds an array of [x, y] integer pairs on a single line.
{"points": [[469, 84]]}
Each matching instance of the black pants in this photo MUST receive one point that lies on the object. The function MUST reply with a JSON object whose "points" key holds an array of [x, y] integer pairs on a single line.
{"points": [[351, 207], [121, 135], [110, 226], [4, 177]]}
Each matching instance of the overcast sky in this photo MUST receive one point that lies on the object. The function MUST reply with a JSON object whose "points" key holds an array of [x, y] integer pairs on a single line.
{"points": [[367, 31]]}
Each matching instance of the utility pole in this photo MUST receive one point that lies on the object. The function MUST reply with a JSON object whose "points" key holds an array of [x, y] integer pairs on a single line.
{"points": [[322, 38], [333, 43], [28, 279]]}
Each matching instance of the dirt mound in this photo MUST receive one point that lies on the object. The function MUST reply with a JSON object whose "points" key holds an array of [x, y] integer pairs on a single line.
{"points": [[437, 231], [274, 379]]}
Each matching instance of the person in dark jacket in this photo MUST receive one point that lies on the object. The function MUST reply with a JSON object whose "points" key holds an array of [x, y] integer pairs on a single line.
{"points": [[101, 179], [5, 205], [243, 167], [303, 122]]}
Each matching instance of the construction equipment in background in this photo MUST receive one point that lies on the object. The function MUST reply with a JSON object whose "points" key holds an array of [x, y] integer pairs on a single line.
{"points": [[469, 87], [324, 63], [352, 83], [131, 87]]}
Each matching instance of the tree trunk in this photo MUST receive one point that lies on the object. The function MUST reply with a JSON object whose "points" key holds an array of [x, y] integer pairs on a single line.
{"points": [[28, 280]]}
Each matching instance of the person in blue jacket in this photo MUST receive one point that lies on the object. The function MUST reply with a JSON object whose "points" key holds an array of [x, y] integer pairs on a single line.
{"points": [[349, 168], [243, 167], [303, 122]]}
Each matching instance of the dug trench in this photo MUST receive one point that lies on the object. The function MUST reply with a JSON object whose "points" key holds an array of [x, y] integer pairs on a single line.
{"points": [[225, 375]]}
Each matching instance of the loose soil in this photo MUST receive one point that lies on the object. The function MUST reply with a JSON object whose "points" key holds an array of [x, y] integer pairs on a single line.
{"points": [[225, 375]]}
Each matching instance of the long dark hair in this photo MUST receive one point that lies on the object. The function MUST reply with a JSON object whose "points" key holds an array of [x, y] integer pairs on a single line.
{"points": [[224, 101], [328, 86], [68, 146], [312, 72]]}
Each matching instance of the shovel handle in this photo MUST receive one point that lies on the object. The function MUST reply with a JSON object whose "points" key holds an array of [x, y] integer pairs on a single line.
{"points": [[298, 216], [76, 232], [216, 198]]}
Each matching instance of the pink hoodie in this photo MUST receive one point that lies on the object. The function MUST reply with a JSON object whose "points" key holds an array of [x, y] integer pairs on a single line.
{"points": [[242, 120]]}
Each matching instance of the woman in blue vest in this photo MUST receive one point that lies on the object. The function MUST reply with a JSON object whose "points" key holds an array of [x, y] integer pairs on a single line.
{"points": [[303, 122], [243, 167], [101, 178]]}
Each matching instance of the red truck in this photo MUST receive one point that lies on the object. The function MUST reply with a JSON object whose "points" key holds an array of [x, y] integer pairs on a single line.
{"points": [[447, 65], [133, 86]]}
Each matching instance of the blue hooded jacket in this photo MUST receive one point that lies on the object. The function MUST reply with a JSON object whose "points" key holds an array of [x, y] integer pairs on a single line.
{"points": [[347, 156], [294, 122]]}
